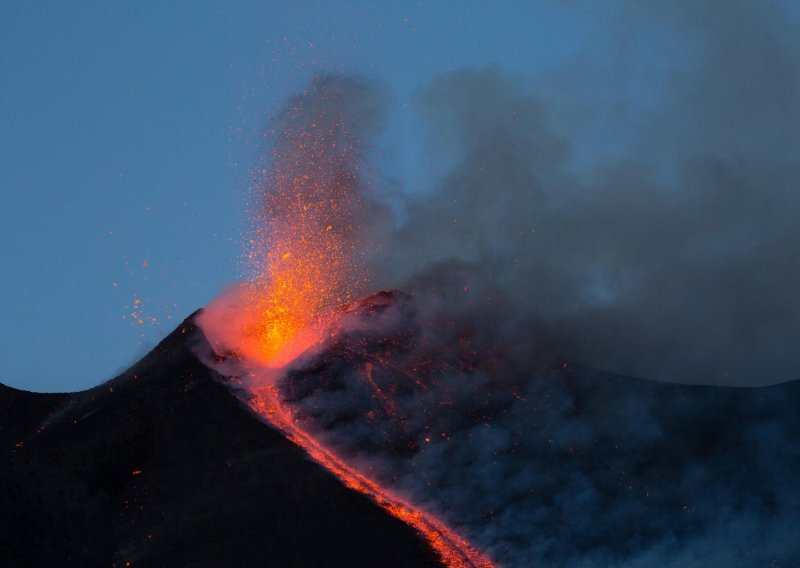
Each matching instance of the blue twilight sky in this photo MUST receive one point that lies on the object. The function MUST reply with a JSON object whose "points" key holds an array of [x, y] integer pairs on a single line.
{"points": [[128, 131]]}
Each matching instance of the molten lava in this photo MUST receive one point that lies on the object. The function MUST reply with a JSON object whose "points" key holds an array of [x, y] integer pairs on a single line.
{"points": [[304, 256], [305, 265], [452, 549]]}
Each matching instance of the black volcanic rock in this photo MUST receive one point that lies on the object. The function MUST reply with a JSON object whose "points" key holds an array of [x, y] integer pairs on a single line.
{"points": [[536, 461], [163, 466], [540, 462]]}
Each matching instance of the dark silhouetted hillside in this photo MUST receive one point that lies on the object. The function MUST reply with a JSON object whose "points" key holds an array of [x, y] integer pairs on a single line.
{"points": [[163, 466]]}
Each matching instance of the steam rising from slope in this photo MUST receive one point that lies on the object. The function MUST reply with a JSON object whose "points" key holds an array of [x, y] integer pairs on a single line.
{"points": [[538, 463]]}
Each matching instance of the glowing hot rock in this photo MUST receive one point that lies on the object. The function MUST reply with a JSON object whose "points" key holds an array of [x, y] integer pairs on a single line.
{"points": [[305, 264], [304, 256]]}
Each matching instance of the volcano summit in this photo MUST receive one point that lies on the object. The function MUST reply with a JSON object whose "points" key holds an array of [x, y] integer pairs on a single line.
{"points": [[531, 464]]}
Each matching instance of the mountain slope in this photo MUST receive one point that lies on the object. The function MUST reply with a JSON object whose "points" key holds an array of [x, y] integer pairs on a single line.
{"points": [[539, 462], [164, 464]]}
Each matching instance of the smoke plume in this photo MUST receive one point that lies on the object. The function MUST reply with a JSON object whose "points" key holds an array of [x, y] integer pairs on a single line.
{"points": [[630, 214], [656, 236]]}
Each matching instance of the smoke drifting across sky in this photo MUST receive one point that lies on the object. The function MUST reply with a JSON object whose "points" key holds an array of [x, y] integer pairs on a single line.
{"points": [[639, 214], [637, 219]]}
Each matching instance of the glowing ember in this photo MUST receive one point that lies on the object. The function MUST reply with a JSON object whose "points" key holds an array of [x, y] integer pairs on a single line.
{"points": [[305, 267], [304, 256]]}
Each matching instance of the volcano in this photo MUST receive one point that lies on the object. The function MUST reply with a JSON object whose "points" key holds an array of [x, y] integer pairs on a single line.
{"points": [[191, 459], [534, 460], [164, 466]]}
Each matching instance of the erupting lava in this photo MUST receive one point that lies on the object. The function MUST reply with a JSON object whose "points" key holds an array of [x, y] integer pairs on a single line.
{"points": [[452, 549], [305, 252], [306, 265]]}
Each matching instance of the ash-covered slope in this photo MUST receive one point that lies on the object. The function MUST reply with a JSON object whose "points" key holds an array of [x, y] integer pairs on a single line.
{"points": [[163, 466], [539, 462]]}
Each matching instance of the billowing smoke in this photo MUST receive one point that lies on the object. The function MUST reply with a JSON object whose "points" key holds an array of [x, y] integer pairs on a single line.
{"points": [[652, 234], [638, 214], [612, 217]]}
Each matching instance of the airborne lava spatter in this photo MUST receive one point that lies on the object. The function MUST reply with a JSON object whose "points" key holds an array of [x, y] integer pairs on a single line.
{"points": [[304, 256], [306, 265]]}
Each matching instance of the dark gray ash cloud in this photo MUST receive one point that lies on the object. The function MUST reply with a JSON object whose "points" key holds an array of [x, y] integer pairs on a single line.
{"points": [[644, 219], [638, 206], [634, 212]]}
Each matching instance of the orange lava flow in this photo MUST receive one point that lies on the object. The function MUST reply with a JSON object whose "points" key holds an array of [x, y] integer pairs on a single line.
{"points": [[306, 264], [453, 550]]}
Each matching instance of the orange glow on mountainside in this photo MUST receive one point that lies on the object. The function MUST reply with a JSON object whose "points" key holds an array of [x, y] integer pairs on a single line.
{"points": [[305, 265], [453, 550]]}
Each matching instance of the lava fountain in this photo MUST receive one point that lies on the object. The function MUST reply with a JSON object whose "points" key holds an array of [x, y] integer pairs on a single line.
{"points": [[305, 263], [304, 255]]}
